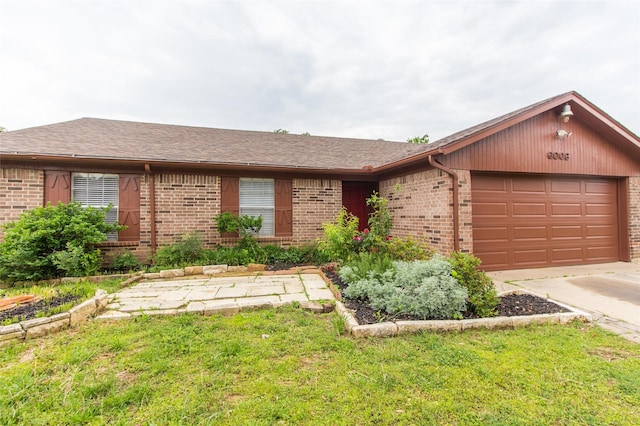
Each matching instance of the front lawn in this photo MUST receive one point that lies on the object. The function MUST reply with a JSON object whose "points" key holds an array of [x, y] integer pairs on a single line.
{"points": [[287, 366]]}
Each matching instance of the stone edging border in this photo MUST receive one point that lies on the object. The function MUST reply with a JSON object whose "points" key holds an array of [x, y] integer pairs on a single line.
{"points": [[387, 329], [38, 327]]}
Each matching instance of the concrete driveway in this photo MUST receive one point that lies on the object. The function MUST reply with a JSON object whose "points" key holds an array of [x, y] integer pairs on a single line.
{"points": [[609, 291]]}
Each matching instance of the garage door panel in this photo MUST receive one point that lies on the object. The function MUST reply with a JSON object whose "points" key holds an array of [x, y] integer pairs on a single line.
{"points": [[568, 231], [490, 209], [566, 186], [499, 259], [600, 209], [600, 231], [604, 188], [572, 254], [558, 209], [529, 232], [492, 234], [528, 186], [531, 220], [601, 253], [529, 209], [529, 257], [493, 184]]}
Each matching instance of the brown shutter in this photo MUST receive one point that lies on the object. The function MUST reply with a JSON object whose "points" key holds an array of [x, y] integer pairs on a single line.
{"points": [[230, 199], [57, 187], [284, 208], [129, 207]]}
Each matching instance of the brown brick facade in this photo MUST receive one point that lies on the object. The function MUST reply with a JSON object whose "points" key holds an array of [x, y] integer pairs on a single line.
{"points": [[315, 201], [186, 203], [421, 204], [634, 216], [20, 190]]}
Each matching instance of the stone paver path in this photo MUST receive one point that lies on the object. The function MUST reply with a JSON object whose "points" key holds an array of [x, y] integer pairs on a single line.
{"points": [[208, 296]]}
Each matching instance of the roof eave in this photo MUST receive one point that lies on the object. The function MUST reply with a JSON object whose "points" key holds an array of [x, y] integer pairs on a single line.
{"points": [[163, 164]]}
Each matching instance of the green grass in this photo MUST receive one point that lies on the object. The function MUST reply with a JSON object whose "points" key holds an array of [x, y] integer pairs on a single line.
{"points": [[220, 370], [83, 289]]}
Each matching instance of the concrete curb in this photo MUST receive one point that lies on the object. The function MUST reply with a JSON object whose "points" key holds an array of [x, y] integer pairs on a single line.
{"points": [[38, 327], [389, 328]]}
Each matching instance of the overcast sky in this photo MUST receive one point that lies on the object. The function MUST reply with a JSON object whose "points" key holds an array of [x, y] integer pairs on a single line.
{"points": [[367, 69]]}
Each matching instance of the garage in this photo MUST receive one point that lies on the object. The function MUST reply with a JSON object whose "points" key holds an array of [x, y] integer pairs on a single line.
{"points": [[528, 221]]}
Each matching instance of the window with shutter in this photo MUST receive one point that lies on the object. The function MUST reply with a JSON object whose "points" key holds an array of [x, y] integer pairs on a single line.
{"points": [[97, 190], [257, 199]]}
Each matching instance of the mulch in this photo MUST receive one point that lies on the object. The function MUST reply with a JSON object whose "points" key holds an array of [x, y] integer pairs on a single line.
{"points": [[28, 311], [510, 305]]}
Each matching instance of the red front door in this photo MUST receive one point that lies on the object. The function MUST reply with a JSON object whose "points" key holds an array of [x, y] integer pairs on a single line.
{"points": [[354, 199]]}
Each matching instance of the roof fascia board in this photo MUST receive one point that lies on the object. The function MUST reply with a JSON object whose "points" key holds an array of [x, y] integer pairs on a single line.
{"points": [[468, 140]]}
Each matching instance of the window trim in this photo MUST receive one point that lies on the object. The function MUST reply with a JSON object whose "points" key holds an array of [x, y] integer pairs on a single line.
{"points": [[270, 207], [112, 236]]}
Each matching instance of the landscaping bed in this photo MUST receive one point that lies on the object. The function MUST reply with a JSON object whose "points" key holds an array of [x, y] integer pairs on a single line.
{"points": [[514, 304], [37, 309]]}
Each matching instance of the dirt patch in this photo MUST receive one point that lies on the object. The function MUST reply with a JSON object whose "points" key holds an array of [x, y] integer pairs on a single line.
{"points": [[611, 354]]}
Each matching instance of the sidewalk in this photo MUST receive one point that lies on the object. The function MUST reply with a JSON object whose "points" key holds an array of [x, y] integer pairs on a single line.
{"points": [[209, 296]]}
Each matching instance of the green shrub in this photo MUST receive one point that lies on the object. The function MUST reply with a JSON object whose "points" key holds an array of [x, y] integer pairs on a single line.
{"points": [[366, 265], [425, 289], [482, 299], [244, 225], [125, 261], [337, 240], [76, 261], [187, 251], [50, 241], [408, 249]]}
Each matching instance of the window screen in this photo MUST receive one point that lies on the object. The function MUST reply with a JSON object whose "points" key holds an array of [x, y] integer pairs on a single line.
{"points": [[97, 190], [257, 199]]}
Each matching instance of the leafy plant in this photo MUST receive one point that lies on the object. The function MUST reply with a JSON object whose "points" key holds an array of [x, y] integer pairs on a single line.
{"points": [[482, 296], [77, 261], [366, 265], [245, 226], [422, 288], [50, 241], [189, 250], [337, 240], [409, 249], [125, 261]]}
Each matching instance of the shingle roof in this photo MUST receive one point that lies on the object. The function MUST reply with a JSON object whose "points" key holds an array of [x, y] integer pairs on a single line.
{"points": [[451, 139], [124, 140]]}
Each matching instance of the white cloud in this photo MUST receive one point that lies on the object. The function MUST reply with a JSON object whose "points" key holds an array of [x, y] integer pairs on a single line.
{"points": [[388, 70]]}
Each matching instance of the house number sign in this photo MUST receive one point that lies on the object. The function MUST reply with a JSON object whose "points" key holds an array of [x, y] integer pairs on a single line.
{"points": [[558, 156]]}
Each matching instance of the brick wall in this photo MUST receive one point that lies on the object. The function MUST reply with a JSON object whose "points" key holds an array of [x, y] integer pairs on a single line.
{"points": [[634, 216], [185, 203], [421, 204], [315, 201], [20, 190], [464, 211]]}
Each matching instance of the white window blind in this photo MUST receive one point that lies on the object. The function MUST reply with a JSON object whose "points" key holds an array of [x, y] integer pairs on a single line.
{"points": [[97, 190], [257, 199]]}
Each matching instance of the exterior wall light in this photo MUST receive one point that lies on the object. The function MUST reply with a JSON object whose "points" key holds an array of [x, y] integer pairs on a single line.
{"points": [[566, 113]]}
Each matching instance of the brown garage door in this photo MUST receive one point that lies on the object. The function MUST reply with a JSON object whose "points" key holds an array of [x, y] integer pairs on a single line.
{"points": [[527, 221]]}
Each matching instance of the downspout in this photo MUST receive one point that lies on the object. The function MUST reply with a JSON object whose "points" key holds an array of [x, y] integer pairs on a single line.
{"points": [[456, 206], [152, 207]]}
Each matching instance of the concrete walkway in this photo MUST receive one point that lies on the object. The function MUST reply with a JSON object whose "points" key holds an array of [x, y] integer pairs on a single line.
{"points": [[223, 295], [610, 292]]}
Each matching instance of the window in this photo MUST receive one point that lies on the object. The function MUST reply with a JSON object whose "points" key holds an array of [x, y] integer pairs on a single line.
{"points": [[97, 190], [257, 199]]}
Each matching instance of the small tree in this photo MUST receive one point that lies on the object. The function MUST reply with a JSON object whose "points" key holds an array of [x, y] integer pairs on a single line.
{"points": [[283, 131], [419, 139], [53, 241]]}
